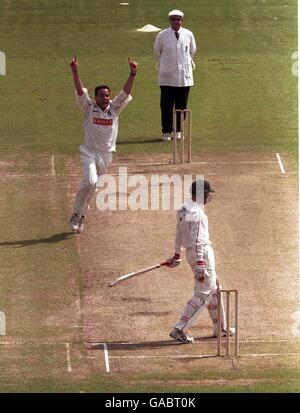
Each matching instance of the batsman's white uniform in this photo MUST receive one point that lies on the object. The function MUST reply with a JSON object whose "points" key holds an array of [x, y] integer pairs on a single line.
{"points": [[100, 134], [192, 234]]}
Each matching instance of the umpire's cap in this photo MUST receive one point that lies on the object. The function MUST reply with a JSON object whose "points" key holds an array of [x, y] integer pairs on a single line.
{"points": [[201, 186], [176, 13]]}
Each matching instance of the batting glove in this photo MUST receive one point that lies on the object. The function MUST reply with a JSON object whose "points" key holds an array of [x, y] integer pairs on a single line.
{"points": [[200, 270], [174, 261]]}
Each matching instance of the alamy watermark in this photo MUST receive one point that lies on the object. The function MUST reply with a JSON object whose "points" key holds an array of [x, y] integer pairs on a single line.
{"points": [[2, 63], [147, 193]]}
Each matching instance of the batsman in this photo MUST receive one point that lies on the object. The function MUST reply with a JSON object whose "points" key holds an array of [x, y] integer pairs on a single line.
{"points": [[192, 234]]}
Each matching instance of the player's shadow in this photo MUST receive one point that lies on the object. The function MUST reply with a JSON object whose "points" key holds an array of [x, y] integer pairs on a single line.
{"points": [[139, 142], [62, 236], [117, 345]]}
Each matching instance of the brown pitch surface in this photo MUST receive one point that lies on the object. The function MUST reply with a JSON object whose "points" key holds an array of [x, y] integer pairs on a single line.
{"points": [[253, 221]]}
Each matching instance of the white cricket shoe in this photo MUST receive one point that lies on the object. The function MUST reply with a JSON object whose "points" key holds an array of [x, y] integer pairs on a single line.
{"points": [[223, 334], [166, 137], [74, 222], [179, 335], [178, 135], [81, 224]]}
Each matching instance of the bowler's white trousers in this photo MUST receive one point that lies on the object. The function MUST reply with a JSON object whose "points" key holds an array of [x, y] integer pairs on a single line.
{"points": [[205, 293], [94, 164]]}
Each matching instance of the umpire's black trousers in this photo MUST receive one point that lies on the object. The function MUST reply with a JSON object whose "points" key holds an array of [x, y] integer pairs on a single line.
{"points": [[169, 97]]}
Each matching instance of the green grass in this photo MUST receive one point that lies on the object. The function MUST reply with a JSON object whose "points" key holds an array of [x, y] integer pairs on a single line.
{"points": [[244, 98], [286, 381], [40, 260]]}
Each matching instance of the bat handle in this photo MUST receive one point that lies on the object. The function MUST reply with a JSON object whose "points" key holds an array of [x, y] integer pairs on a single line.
{"points": [[162, 264]]}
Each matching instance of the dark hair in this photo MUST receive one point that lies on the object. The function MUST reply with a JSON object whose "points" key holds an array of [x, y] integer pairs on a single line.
{"points": [[101, 87], [200, 190]]}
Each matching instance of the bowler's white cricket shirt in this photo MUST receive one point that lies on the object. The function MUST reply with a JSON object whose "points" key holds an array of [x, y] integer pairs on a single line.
{"points": [[100, 127], [192, 228]]}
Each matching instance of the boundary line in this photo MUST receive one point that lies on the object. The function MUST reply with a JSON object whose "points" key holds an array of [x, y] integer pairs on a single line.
{"points": [[280, 163]]}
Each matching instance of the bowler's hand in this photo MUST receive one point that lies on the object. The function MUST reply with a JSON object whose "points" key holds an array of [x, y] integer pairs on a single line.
{"points": [[74, 63], [133, 66]]}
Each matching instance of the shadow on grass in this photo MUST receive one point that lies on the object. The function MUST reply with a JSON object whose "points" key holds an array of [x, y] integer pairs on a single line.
{"points": [[27, 242], [117, 345], [139, 142]]}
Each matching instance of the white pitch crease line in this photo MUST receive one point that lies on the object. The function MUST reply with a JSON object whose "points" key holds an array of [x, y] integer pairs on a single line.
{"points": [[282, 340], [292, 340], [69, 367], [52, 166], [199, 356], [125, 343], [198, 162], [240, 162], [132, 174], [270, 354], [181, 356], [106, 358], [280, 163]]}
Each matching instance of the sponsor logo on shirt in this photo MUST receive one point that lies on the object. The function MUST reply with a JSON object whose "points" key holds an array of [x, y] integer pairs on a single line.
{"points": [[101, 121]]}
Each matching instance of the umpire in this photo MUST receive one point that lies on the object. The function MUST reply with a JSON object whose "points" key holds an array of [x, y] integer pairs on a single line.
{"points": [[174, 48]]}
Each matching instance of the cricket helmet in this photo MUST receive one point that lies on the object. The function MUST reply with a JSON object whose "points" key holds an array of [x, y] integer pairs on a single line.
{"points": [[200, 190]]}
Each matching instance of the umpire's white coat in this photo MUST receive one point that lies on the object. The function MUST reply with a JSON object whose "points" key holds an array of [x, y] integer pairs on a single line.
{"points": [[175, 57]]}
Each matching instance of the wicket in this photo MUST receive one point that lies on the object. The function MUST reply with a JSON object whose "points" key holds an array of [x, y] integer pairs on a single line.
{"points": [[182, 112], [227, 313]]}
